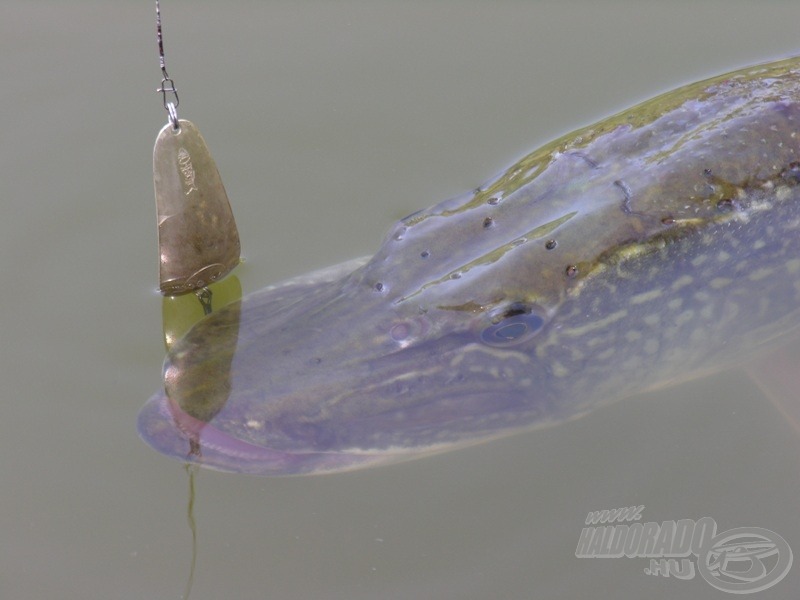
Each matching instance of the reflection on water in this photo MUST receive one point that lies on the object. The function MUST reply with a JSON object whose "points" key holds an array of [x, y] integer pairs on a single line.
{"points": [[197, 382], [328, 121], [185, 388], [649, 248], [180, 313]]}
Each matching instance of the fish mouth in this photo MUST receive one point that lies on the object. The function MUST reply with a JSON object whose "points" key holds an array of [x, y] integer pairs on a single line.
{"points": [[272, 386], [175, 433], [394, 416]]}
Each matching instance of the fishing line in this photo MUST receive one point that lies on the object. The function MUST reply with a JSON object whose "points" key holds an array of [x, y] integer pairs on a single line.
{"points": [[198, 241]]}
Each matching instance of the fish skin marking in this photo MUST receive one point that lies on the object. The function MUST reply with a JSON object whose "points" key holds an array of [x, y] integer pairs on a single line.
{"points": [[595, 325], [720, 282], [651, 346], [793, 266], [675, 303], [646, 296], [633, 335], [681, 282], [680, 219], [497, 353], [761, 273], [653, 320]]}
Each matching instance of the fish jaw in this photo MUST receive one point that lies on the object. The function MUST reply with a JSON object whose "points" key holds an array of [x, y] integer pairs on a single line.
{"points": [[341, 412], [174, 433]]}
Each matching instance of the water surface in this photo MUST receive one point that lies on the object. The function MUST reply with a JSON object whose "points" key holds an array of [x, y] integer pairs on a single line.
{"points": [[328, 122]]}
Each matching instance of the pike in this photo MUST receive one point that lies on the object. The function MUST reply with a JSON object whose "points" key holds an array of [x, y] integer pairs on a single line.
{"points": [[656, 246]]}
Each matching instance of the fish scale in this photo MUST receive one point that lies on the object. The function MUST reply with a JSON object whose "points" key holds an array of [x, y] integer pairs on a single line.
{"points": [[718, 318], [653, 247]]}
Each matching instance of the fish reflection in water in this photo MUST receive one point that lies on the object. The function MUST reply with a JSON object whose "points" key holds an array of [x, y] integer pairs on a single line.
{"points": [[655, 246]]}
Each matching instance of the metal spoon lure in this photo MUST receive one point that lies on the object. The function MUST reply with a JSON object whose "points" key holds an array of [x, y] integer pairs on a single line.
{"points": [[198, 240]]}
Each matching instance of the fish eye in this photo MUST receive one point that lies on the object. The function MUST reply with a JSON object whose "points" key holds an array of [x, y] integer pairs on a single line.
{"points": [[512, 325]]}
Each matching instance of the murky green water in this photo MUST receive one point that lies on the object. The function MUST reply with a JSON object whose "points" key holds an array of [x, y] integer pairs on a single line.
{"points": [[329, 121]]}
